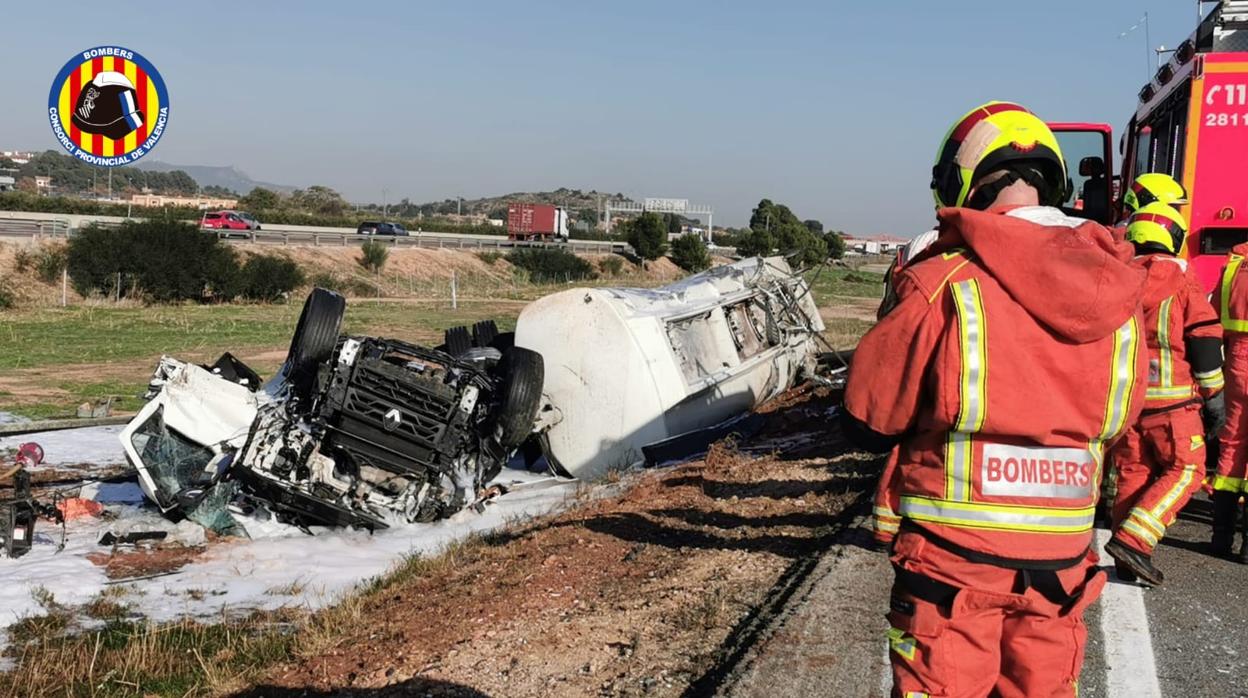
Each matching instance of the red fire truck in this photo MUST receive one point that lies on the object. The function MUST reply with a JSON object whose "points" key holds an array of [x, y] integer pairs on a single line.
{"points": [[1192, 123]]}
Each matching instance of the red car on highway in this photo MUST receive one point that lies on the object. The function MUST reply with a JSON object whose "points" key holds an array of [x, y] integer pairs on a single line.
{"points": [[229, 220]]}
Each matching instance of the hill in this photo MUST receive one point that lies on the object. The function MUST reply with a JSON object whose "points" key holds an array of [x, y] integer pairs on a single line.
{"points": [[583, 205], [224, 177]]}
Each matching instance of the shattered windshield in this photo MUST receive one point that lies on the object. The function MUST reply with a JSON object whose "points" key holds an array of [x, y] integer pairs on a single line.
{"points": [[173, 461]]}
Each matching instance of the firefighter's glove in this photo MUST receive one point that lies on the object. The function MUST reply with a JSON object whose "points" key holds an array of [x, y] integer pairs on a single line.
{"points": [[1213, 414]]}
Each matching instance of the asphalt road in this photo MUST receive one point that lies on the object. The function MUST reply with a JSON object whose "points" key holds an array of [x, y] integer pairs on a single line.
{"points": [[1187, 638]]}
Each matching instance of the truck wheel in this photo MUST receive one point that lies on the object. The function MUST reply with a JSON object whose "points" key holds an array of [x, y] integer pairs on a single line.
{"points": [[483, 333], [314, 340], [458, 341], [523, 374]]}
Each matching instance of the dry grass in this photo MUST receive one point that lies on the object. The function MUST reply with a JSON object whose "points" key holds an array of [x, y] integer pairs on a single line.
{"points": [[54, 656]]}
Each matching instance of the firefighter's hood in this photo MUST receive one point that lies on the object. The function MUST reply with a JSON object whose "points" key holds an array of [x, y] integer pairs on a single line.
{"points": [[1166, 274], [1076, 281]]}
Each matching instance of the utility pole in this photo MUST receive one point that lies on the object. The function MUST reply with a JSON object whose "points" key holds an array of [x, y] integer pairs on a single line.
{"points": [[385, 205], [459, 205], [1148, 47]]}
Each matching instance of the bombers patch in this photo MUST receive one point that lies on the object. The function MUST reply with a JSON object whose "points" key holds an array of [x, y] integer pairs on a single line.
{"points": [[108, 106]]}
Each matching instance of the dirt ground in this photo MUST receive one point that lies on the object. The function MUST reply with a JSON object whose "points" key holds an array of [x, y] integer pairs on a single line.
{"points": [[656, 590]]}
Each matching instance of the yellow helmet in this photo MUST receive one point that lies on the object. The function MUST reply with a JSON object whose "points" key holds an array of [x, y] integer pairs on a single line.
{"points": [[1157, 224], [996, 136], [1151, 187]]}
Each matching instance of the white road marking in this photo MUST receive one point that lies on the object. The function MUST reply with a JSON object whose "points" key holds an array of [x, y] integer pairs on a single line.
{"points": [[1130, 669], [886, 678]]}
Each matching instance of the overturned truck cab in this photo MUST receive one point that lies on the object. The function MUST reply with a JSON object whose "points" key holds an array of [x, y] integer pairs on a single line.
{"points": [[354, 431]]}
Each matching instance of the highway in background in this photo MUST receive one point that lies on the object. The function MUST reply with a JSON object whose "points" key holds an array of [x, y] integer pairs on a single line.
{"points": [[36, 225]]}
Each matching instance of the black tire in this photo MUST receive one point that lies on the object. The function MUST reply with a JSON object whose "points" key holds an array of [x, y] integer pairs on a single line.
{"points": [[458, 341], [314, 340], [504, 341], [523, 373], [483, 333]]}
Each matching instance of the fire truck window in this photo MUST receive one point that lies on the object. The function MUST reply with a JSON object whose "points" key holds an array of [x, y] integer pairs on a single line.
{"points": [[1178, 139], [1077, 145], [1163, 130], [1143, 149]]}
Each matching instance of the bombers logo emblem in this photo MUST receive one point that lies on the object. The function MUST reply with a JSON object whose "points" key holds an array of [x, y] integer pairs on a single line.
{"points": [[108, 106]]}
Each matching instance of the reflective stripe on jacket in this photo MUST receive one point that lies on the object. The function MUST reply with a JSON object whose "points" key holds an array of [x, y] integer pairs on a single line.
{"points": [[1231, 292]]}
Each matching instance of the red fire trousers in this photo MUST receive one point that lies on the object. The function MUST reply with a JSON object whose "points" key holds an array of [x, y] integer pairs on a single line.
{"points": [[996, 636], [1158, 464], [1234, 437]]}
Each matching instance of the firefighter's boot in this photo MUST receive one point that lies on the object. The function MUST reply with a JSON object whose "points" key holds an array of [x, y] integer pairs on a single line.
{"points": [[1242, 556], [1225, 508], [1139, 563]]}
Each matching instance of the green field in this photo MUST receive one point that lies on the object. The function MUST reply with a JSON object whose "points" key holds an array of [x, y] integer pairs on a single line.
{"points": [[57, 358]]}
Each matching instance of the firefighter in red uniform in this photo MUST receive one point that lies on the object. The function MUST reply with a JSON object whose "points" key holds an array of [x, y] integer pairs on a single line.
{"points": [[1013, 356], [1160, 462], [1231, 482]]}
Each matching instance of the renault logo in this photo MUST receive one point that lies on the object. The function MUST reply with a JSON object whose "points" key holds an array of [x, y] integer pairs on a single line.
{"points": [[392, 420]]}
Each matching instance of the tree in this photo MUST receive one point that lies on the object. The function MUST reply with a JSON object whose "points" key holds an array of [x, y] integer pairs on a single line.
{"points": [[648, 236], [774, 227], [260, 199], [813, 226], [835, 241], [689, 253], [320, 199], [673, 223], [27, 184]]}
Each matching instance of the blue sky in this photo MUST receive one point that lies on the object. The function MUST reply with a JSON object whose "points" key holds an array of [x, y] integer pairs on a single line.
{"points": [[834, 108]]}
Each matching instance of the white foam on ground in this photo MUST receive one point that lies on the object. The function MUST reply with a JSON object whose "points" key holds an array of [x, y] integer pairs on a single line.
{"points": [[1130, 668], [279, 566], [97, 445]]}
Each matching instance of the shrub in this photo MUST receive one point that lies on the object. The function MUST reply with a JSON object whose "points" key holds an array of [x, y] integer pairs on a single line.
{"points": [[612, 266], [23, 260], [7, 298], [348, 286], [165, 260], [689, 253], [327, 281], [373, 255], [490, 256], [547, 265], [49, 263], [269, 277]]}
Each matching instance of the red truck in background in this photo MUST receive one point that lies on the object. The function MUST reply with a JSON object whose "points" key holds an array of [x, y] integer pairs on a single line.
{"points": [[536, 222]]}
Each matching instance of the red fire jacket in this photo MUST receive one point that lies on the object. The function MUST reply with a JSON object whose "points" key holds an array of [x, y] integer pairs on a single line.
{"points": [[1013, 356], [1183, 335], [1231, 292]]}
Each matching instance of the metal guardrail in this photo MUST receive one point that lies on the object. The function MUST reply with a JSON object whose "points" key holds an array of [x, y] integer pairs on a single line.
{"points": [[33, 229], [37, 229], [419, 240]]}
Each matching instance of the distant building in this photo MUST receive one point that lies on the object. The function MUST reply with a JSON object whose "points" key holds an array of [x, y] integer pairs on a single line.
{"points": [[201, 202], [43, 184], [7, 183], [497, 222], [21, 157], [874, 244]]}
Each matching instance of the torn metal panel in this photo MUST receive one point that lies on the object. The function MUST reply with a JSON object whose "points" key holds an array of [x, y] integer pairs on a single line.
{"points": [[631, 367]]}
